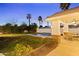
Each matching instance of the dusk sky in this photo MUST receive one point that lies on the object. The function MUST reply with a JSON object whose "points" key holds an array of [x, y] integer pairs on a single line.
{"points": [[10, 13]]}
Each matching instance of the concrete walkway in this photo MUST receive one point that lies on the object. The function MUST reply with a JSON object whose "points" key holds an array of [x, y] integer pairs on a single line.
{"points": [[38, 35], [66, 48]]}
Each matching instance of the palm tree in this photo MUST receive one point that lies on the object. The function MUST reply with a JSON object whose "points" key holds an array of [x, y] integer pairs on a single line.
{"points": [[29, 17], [40, 20], [64, 6]]}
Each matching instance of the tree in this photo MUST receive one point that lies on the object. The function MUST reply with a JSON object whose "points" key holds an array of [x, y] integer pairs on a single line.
{"points": [[29, 17], [8, 24], [7, 28], [34, 27], [40, 21], [22, 27], [15, 28], [64, 6]]}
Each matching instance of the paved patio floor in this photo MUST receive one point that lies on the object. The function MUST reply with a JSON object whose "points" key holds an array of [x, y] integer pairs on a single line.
{"points": [[66, 48]]}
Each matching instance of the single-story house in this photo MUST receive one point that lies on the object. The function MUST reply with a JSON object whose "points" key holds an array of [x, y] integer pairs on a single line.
{"points": [[67, 18]]}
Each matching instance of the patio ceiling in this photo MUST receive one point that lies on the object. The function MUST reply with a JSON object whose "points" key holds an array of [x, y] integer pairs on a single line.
{"points": [[68, 16]]}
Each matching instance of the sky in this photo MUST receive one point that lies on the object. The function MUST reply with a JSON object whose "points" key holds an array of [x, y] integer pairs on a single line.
{"points": [[16, 12]]}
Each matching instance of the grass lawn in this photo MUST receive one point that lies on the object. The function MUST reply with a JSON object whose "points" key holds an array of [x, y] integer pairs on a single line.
{"points": [[19, 44], [11, 35]]}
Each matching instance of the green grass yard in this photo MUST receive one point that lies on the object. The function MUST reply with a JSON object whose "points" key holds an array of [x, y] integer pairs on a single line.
{"points": [[20, 44], [11, 35]]}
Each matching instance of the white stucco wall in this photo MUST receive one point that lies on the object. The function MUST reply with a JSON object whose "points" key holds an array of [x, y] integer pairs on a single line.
{"points": [[55, 28], [44, 30]]}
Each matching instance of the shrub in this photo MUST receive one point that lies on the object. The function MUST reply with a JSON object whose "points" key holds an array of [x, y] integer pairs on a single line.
{"points": [[20, 50]]}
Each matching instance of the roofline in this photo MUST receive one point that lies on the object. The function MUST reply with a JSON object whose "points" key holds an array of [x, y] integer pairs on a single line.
{"points": [[62, 11]]}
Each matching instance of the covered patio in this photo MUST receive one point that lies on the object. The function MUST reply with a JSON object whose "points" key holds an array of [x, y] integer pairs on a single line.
{"points": [[66, 17]]}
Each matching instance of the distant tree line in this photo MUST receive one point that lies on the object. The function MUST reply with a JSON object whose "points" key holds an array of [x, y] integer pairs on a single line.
{"points": [[23, 28]]}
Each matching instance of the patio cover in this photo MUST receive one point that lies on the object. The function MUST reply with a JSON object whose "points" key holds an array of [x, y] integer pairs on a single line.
{"points": [[66, 16]]}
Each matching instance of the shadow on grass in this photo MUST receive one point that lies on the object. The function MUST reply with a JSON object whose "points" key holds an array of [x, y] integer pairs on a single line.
{"points": [[47, 48]]}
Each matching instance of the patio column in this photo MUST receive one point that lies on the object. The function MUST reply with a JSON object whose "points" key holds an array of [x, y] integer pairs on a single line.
{"points": [[65, 27], [55, 28]]}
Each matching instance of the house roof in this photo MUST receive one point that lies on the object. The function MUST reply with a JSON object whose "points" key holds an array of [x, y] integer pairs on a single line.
{"points": [[65, 12]]}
